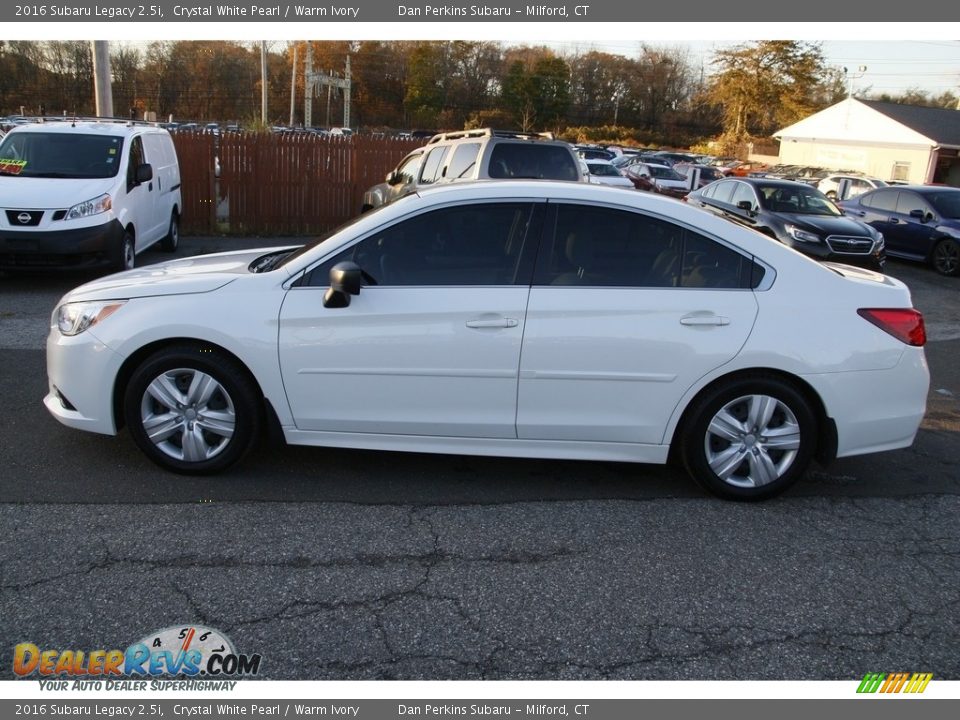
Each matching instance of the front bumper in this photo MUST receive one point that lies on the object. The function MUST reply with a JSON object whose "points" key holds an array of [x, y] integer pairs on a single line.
{"points": [[80, 375], [874, 260], [76, 248]]}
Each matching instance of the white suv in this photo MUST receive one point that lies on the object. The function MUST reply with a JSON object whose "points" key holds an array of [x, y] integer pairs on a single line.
{"points": [[475, 155], [855, 185], [78, 194]]}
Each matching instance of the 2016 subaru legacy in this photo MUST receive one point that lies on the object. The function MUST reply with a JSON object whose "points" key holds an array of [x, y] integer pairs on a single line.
{"points": [[511, 318]]}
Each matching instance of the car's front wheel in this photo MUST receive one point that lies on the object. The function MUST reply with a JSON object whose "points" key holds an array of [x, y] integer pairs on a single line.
{"points": [[192, 409], [946, 257], [749, 439]]}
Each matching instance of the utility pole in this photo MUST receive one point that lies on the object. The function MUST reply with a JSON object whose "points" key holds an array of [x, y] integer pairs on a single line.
{"points": [[293, 84], [102, 88], [312, 80], [263, 82], [308, 88]]}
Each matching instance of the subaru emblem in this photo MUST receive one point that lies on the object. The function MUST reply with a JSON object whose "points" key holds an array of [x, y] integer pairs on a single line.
{"points": [[23, 218]]}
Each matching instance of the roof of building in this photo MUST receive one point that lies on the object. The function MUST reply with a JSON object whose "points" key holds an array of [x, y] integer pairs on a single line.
{"points": [[938, 124]]}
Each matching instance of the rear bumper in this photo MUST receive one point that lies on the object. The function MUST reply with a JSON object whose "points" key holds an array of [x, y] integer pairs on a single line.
{"points": [[67, 249], [866, 424]]}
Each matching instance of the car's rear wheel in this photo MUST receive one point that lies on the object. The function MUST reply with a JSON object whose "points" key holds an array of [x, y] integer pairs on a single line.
{"points": [[946, 257], [750, 438], [192, 409]]}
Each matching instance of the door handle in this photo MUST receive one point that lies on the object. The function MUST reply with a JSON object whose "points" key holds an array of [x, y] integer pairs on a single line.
{"points": [[700, 320], [894, 221], [493, 323]]}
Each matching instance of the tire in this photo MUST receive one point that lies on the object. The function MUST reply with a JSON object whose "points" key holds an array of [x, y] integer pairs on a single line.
{"points": [[171, 241], [724, 454], [198, 404], [831, 194], [946, 257], [126, 254]]}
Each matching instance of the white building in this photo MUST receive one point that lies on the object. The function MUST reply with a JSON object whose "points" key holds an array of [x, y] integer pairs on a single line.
{"points": [[908, 143]]}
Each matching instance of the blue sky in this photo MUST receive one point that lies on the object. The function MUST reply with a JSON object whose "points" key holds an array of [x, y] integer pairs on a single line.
{"points": [[892, 66]]}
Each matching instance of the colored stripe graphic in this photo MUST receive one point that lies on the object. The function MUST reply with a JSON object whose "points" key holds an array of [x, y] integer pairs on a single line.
{"points": [[918, 683], [870, 682], [914, 683]]}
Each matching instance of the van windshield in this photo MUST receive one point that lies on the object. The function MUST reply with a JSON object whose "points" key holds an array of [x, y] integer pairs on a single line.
{"points": [[60, 155]]}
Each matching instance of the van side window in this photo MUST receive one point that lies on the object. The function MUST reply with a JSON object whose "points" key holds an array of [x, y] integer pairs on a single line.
{"points": [[136, 159]]}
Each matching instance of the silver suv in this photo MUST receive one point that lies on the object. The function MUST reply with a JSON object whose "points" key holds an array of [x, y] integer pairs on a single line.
{"points": [[473, 155]]}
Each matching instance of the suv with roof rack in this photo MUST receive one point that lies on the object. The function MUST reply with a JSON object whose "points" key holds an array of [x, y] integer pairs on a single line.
{"points": [[475, 155]]}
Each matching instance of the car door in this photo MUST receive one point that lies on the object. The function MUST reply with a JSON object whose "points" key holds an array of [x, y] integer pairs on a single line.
{"points": [[913, 228], [877, 209], [431, 345], [627, 311]]}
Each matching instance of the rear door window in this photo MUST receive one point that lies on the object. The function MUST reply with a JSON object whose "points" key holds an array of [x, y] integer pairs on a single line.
{"points": [[605, 247]]}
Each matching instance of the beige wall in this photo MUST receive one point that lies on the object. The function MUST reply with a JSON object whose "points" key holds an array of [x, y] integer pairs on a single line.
{"points": [[871, 160]]}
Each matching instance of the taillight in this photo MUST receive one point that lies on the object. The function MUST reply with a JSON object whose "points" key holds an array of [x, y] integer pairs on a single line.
{"points": [[905, 324]]}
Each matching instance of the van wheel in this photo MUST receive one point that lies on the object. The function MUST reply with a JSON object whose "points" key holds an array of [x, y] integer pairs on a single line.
{"points": [[125, 257], [171, 240]]}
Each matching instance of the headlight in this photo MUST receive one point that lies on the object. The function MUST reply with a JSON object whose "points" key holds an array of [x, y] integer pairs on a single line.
{"points": [[802, 235], [880, 241], [94, 206], [74, 318]]}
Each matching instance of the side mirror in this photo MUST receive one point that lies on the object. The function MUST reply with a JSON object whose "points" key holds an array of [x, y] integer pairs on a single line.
{"points": [[346, 279], [745, 205], [393, 177], [144, 173]]}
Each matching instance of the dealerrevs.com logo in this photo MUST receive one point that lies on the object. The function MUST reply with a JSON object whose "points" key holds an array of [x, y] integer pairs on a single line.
{"points": [[193, 652]]}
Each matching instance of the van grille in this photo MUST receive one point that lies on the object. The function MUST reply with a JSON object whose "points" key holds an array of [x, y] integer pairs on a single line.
{"points": [[24, 218]]}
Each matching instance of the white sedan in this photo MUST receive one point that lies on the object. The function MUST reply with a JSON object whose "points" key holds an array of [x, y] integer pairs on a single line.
{"points": [[525, 319], [604, 172]]}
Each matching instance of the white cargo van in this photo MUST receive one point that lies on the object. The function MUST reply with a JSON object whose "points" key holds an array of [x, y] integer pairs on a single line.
{"points": [[86, 193]]}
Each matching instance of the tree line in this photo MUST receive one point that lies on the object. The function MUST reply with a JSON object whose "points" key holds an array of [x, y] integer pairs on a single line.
{"points": [[660, 96]]}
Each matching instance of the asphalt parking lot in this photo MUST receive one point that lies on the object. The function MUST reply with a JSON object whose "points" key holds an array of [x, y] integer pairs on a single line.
{"points": [[338, 564]]}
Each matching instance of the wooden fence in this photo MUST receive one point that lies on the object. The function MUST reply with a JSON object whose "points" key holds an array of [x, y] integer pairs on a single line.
{"points": [[279, 184]]}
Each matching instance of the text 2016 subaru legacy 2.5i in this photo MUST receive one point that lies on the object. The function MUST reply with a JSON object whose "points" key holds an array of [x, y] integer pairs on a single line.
{"points": [[514, 318]]}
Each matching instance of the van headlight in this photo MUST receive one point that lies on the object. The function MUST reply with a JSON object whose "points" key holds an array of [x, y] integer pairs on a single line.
{"points": [[94, 206], [74, 318]]}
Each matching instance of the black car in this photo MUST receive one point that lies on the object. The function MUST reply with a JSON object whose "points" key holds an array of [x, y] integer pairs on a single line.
{"points": [[919, 222], [797, 215]]}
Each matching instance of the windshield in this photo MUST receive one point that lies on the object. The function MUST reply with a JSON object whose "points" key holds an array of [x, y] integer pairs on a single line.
{"points": [[603, 169], [664, 173], [60, 155], [796, 199], [947, 203]]}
